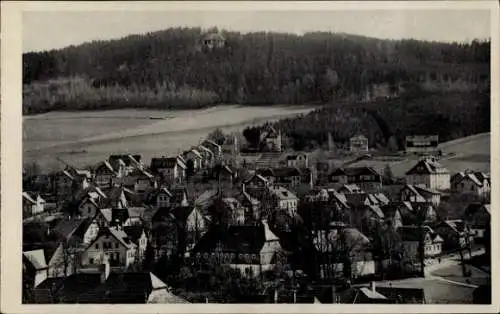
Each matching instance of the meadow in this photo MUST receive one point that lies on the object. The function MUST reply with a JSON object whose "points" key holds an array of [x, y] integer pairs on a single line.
{"points": [[87, 137]]}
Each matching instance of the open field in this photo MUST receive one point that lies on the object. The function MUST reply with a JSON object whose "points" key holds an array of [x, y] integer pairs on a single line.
{"points": [[472, 152], [85, 138]]}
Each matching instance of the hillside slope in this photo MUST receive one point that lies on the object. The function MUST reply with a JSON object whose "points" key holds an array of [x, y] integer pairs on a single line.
{"points": [[167, 69]]}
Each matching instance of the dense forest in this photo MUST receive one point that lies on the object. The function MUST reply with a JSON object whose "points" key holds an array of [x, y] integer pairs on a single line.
{"points": [[386, 123], [173, 69]]}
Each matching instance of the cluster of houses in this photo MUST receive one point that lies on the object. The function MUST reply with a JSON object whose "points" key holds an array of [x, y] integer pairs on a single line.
{"points": [[110, 220]]}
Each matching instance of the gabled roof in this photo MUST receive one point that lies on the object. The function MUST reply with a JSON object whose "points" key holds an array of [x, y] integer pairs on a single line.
{"points": [[65, 228], [382, 198], [28, 197], [358, 137], [282, 193], [357, 199], [355, 171], [37, 258], [425, 190], [477, 178], [257, 177], [236, 239], [106, 166], [457, 225], [134, 232], [205, 149], [194, 151], [370, 294], [121, 236], [415, 192], [107, 214], [245, 197], [427, 166], [351, 188], [412, 233], [377, 210]]}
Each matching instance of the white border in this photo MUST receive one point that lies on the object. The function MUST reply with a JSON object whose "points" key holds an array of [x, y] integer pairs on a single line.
{"points": [[11, 152]]}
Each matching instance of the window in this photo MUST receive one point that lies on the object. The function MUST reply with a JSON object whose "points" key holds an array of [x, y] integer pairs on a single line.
{"points": [[97, 246], [91, 261], [116, 245]]}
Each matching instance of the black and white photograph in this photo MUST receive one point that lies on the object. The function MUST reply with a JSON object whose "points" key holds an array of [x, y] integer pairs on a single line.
{"points": [[253, 156]]}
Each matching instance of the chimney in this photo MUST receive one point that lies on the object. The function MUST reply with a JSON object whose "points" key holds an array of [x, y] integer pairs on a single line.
{"points": [[105, 270], [372, 286]]}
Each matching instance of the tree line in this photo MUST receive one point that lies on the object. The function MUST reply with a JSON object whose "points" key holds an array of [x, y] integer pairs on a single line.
{"points": [[259, 68], [450, 115]]}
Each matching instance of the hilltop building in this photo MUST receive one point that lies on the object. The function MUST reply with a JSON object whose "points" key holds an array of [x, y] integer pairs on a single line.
{"points": [[358, 143]]}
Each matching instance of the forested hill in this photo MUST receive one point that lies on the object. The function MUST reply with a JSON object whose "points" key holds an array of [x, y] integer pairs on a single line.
{"points": [[173, 69]]}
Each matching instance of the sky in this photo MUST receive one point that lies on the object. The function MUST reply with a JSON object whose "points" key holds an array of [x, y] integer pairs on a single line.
{"points": [[45, 30]]}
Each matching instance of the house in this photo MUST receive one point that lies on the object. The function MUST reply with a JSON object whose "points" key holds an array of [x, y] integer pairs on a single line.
{"points": [[113, 244], [286, 176], [413, 235], [333, 243], [299, 160], [466, 182], [214, 147], [120, 197], [63, 182], [364, 177], [194, 156], [33, 204], [251, 204], [137, 234], [270, 139], [422, 144], [420, 194], [138, 180], [251, 249], [88, 207], [257, 182], [392, 216], [104, 174], [455, 233], [100, 285], [350, 189], [213, 40], [130, 162], [208, 156], [429, 173], [160, 198], [285, 200], [69, 180], [478, 217], [382, 293], [194, 221], [180, 197], [172, 169], [358, 143], [225, 174], [167, 234], [366, 218]]}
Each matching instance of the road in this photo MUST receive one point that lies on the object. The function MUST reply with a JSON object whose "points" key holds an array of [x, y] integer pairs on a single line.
{"points": [[446, 262]]}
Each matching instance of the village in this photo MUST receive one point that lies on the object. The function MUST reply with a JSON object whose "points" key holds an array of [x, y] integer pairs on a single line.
{"points": [[296, 231]]}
